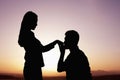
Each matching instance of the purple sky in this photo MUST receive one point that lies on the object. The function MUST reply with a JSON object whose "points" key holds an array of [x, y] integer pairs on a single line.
{"points": [[97, 21]]}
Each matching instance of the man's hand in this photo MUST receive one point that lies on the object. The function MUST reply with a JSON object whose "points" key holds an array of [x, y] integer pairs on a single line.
{"points": [[61, 47]]}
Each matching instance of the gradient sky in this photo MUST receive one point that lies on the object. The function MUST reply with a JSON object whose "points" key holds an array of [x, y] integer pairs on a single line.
{"points": [[97, 21]]}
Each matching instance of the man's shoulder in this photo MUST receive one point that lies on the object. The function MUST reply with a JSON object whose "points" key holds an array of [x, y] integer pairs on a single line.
{"points": [[80, 51]]}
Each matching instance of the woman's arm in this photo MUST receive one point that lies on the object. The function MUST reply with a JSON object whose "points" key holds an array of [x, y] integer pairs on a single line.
{"points": [[49, 46]]}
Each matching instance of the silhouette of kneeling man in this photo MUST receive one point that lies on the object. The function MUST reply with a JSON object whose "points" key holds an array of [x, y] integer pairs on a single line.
{"points": [[76, 64]]}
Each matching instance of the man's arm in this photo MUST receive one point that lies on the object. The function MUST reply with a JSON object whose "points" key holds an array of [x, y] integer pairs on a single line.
{"points": [[61, 64]]}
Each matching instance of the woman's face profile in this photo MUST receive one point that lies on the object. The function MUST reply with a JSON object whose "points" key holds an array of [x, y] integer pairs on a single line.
{"points": [[33, 24]]}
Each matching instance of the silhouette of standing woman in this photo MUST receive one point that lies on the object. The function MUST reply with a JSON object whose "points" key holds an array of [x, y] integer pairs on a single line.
{"points": [[33, 47]]}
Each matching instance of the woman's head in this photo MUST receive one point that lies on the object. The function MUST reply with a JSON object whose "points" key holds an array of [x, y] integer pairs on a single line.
{"points": [[29, 21]]}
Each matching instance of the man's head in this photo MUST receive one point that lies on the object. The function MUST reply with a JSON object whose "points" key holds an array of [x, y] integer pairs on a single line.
{"points": [[71, 39]]}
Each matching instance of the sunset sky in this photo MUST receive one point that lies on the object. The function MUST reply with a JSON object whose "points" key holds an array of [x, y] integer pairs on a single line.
{"points": [[97, 21]]}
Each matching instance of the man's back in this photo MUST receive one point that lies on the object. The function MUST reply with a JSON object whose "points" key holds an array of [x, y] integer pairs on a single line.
{"points": [[77, 66]]}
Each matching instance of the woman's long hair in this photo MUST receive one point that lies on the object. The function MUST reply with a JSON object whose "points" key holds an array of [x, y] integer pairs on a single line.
{"points": [[27, 21]]}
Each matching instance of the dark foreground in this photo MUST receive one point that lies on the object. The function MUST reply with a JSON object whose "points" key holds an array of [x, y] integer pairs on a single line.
{"points": [[105, 77]]}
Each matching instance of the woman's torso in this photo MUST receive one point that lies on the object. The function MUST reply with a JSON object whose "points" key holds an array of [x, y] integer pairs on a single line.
{"points": [[33, 48]]}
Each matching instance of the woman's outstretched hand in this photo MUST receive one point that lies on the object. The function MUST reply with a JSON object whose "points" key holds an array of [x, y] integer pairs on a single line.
{"points": [[61, 47]]}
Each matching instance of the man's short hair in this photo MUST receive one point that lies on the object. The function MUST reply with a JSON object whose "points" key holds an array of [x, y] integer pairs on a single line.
{"points": [[73, 36]]}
